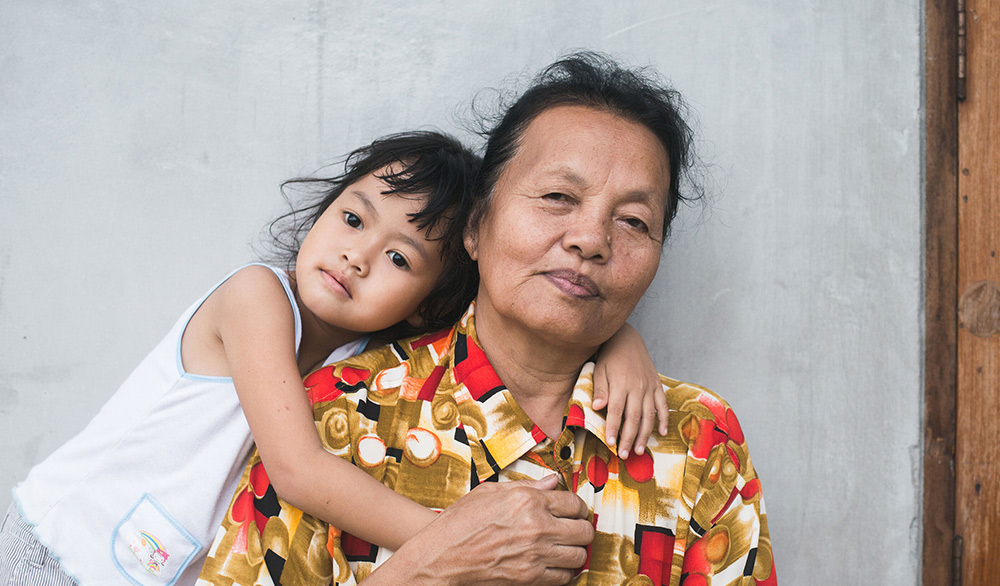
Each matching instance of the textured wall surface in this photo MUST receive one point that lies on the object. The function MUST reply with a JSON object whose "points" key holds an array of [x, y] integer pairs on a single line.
{"points": [[142, 144]]}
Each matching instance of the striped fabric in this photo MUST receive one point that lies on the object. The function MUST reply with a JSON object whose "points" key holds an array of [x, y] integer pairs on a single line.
{"points": [[24, 561]]}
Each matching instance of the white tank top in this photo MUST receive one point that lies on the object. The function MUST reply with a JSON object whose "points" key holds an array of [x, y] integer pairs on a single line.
{"points": [[139, 494]]}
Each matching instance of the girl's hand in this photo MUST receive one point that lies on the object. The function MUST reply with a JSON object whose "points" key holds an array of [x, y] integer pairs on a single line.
{"points": [[626, 381]]}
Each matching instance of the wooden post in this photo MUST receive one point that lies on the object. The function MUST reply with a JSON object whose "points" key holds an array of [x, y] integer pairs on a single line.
{"points": [[941, 265], [977, 488]]}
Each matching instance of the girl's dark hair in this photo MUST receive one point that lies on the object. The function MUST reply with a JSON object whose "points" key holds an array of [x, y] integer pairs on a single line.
{"points": [[597, 81], [428, 165]]}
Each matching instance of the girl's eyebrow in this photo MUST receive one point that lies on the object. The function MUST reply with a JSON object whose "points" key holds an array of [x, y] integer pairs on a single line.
{"points": [[367, 203], [416, 244]]}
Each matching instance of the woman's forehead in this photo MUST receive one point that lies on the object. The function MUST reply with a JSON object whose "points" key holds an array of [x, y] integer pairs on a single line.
{"points": [[584, 147]]}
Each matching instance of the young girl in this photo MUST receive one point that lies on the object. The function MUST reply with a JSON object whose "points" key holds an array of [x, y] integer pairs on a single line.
{"points": [[138, 495]]}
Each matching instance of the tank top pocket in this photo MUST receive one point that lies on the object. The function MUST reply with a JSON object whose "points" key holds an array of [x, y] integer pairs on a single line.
{"points": [[149, 547]]}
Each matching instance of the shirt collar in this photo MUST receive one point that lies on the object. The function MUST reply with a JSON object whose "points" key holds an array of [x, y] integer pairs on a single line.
{"points": [[502, 432]]}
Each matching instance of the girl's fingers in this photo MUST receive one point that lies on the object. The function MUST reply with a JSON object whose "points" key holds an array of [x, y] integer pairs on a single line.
{"points": [[647, 423], [600, 391], [631, 421], [616, 405], [662, 410]]}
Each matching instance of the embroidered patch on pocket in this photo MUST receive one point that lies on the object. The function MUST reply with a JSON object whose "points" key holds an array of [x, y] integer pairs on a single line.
{"points": [[149, 547]]}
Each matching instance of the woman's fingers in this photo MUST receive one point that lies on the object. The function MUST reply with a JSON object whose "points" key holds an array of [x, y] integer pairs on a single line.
{"points": [[565, 505], [537, 535], [555, 577], [545, 483], [568, 558]]}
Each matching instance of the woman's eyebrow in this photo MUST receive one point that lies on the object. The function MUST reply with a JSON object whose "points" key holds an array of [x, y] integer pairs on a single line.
{"points": [[567, 173]]}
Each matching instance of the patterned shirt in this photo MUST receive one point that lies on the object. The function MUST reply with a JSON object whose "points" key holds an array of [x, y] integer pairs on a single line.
{"points": [[430, 418]]}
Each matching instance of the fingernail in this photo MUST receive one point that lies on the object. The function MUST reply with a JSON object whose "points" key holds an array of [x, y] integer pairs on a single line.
{"points": [[639, 450], [623, 454], [611, 440]]}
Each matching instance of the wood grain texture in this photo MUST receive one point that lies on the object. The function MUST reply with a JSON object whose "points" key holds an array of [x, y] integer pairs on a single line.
{"points": [[978, 446], [941, 266]]}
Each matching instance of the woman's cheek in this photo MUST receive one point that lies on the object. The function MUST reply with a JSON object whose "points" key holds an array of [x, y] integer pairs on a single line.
{"points": [[636, 272]]}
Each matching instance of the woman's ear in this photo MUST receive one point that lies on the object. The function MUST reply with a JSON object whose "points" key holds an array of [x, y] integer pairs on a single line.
{"points": [[470, 238], [415, 320]]}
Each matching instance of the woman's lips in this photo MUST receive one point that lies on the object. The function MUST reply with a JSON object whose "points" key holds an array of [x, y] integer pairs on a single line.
{"points": [[337, 282], [573, 283]]}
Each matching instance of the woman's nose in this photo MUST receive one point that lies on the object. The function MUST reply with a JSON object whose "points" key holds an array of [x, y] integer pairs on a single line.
{"points": [[589, 235]]}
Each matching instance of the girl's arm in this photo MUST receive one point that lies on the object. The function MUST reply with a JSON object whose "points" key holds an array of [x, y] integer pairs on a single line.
{"points": [[626, 381], [253, 325]]}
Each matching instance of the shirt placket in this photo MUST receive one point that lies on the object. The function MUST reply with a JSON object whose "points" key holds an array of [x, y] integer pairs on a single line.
{"points": [[564, 457]]}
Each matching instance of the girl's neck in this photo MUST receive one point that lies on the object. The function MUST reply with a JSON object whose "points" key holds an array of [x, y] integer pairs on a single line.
{"points": [[319, 338], [539, 375]]}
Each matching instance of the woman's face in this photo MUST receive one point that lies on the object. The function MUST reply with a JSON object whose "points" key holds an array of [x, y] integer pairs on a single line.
{"points": [[572, 237]]}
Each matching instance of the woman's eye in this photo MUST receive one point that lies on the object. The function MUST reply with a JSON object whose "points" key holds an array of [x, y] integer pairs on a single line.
{"points": [[555, 196], [637, 224], [352, 220], [398, 259]]}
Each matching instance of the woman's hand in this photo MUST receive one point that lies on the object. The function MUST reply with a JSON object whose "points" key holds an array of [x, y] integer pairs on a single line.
{"points": [[626, 381], [501, 533]]}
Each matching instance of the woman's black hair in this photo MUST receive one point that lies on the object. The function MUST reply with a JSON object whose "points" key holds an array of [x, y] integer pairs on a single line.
{"points": [[596, 81], [428, 165]]}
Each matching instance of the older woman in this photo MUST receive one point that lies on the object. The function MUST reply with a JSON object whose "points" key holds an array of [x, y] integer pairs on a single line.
{"points": [[579, 185]]}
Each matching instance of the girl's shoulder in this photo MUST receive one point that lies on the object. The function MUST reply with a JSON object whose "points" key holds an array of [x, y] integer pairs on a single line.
{"points": [[259, 274], [252, 308], [257, 283]]}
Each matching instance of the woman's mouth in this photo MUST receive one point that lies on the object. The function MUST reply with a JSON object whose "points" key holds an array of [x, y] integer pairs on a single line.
{"points": [[337, 282], [573, 283]]}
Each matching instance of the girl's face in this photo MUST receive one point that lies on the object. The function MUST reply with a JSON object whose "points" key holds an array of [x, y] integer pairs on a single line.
{"points": [[364, 266]]}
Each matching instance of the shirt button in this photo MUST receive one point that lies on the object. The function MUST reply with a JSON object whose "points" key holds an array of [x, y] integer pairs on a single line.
{"points": [[565, 452]]}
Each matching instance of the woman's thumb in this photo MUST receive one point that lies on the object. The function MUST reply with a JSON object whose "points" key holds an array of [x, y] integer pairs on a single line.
{"points": [[547, 483]]}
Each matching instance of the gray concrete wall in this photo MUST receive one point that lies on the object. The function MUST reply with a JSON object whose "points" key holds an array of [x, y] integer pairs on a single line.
{"points": [[142, 143]]}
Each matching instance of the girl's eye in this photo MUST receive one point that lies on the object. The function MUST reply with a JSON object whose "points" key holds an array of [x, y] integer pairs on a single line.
{"points": [[398, 259], [352, 220]]}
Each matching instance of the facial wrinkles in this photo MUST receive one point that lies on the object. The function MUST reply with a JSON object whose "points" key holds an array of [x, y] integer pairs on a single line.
{"points": [[608, 171], [594, 211]]}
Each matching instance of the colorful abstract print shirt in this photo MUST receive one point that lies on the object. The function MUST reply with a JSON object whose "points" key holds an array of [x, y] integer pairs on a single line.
{"points": [[429, 418]]}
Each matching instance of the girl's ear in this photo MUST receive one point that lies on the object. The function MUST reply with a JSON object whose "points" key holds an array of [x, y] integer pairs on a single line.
{"points": [[470, 239]]}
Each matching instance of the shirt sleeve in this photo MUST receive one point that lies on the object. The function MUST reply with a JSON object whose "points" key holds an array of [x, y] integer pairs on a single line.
{"points": [[727, 540]]}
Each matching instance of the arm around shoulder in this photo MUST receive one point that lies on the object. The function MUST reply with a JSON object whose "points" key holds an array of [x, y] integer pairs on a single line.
{"points": [[257, 328]]}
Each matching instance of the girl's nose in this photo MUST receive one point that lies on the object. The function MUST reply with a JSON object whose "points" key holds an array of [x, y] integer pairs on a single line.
{"points": [[356, 261]]}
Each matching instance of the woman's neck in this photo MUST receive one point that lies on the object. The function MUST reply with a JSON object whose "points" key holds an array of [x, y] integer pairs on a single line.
{"points": [[539, 375]]}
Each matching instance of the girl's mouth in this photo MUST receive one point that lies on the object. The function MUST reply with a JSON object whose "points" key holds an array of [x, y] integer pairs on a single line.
{"points": [[337, 281]]}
